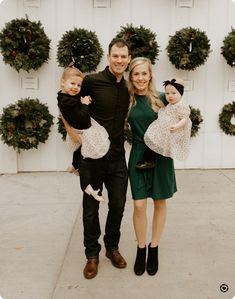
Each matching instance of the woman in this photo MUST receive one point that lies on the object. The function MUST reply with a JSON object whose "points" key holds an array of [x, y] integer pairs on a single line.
{"points": [[157, 183]]}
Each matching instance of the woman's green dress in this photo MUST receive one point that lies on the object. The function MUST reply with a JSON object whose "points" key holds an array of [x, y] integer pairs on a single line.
{"points": [[157, 183]]}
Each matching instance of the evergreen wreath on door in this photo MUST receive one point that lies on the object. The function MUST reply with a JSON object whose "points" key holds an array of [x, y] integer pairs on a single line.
{"points": [[82, 48], [24, 44], [196, 119], [228, 48], [61, 128], [25, 124], [142, 41], [225, 119], [188, 48]]}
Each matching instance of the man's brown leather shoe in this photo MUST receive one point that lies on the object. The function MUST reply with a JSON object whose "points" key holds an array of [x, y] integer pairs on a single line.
{"points": [[91, 268], [116, 258]]}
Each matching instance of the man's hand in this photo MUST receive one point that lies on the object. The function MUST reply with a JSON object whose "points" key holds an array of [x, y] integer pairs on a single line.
{"points": [[86, 100]]}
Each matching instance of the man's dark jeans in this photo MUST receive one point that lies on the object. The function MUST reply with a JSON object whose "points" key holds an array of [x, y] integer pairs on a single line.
{"points": [[113, 174]]}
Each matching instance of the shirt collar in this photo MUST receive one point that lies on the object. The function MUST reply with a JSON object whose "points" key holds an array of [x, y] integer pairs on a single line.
{"points": [[111, 75]]}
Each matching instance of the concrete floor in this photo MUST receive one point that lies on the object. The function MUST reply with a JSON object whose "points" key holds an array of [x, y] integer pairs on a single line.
{"points": [[41, 247]]}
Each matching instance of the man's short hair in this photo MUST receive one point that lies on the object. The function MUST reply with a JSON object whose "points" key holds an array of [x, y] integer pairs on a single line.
{"points": [[119, 42]]}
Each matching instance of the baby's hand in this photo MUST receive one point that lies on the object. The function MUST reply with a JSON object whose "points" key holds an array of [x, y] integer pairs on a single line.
{"points": [[173, 128], [86, 100]]}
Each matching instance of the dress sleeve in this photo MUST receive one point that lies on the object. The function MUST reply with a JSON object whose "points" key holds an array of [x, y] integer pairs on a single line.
{"points": [[184, 111], [75, 113]]}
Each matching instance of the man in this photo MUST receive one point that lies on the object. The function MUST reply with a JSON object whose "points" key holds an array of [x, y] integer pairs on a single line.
{"points": [[109, 107]]}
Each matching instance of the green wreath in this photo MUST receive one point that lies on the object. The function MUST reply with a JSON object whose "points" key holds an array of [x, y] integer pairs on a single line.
{"points": [[228, 48], [24, 44], [142, 41], [195, 116], [188, 48], [61, 128], [228, 111], [24, 124], [196, 119], [81, 47]]}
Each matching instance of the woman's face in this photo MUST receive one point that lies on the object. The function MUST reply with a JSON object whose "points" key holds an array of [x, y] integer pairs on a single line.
{"points": [[140, 78]]}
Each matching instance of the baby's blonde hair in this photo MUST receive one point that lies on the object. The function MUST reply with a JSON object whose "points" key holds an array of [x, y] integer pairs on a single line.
{"points": [[71, 71]]}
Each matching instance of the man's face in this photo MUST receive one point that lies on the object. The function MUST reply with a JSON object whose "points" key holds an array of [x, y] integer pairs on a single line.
{"points": [[119, 59]]}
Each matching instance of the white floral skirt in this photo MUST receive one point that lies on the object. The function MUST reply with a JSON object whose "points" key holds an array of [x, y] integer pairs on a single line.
{"points": [[95, 141], [175, 145]]}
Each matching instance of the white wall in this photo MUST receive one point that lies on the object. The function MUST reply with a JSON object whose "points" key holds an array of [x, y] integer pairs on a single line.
{"points": [[210, 149]]}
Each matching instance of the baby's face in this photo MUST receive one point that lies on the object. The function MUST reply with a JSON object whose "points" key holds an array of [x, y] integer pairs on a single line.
{"points": [[172, 94], [71, 85]]}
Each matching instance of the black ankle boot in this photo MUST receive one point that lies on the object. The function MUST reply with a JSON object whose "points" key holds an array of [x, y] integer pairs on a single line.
{"points": [[152, 260], [140, 261]]}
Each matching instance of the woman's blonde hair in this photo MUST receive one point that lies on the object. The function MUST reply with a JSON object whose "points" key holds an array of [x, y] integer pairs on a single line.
{"points": [[152, 94]]}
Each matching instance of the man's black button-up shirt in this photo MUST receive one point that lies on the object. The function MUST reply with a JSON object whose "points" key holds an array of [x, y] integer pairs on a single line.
{"points": [[109, 106]]}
